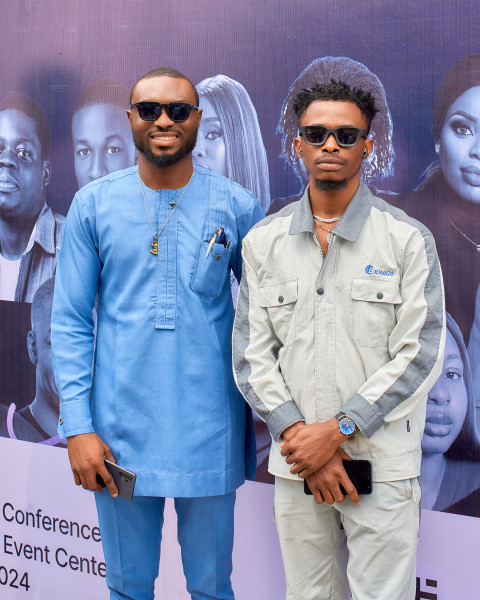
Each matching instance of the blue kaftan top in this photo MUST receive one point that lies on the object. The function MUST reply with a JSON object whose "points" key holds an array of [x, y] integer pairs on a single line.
{"points": [[161, 393]]}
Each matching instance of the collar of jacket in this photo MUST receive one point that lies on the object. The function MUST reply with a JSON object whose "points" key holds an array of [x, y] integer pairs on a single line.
{"points": [[45, 230], [352, 220]]}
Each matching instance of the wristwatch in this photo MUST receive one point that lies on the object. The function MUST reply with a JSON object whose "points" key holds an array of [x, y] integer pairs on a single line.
{"points": [[346, 424]]}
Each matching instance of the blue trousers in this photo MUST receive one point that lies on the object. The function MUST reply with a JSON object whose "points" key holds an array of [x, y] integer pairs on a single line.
{"points": [[131, 536]]}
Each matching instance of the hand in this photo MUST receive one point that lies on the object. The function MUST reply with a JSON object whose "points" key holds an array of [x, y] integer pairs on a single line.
{"points": [[311, 446], [292, 430], [87, 452], [325, 483]]}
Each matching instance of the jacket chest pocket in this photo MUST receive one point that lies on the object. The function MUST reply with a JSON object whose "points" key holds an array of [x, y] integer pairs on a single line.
{"points": [[210, 271], [373, 310], [280, 300]]}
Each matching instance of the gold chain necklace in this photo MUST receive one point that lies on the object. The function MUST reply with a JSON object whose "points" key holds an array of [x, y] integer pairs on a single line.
{"points": [[154, 244]]}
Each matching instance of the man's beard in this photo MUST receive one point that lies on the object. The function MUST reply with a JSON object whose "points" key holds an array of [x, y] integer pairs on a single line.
{"points": [[165, 160], [328, 185]]}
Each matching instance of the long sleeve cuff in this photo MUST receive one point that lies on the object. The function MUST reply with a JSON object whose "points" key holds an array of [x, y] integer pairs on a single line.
{"points": [[366, 416], [282, 417], [75, 418]]}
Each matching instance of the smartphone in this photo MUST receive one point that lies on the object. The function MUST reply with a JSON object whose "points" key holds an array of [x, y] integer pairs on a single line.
{"points": [[360, 474], [123, 478]]}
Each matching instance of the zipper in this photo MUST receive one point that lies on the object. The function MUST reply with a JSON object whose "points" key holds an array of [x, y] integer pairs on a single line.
{"points": [[324, 256]]}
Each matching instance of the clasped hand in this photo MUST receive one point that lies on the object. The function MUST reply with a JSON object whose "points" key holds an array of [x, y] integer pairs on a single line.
{"points": [[325, 483], [309, 447]]}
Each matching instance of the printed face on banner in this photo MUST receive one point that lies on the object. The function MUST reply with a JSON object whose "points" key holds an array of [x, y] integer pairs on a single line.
{"points": [[209, 151], [332, 162], [40, 352], [447, 403], [459, 145], [164, 142], [102, 142], [23, 173]]}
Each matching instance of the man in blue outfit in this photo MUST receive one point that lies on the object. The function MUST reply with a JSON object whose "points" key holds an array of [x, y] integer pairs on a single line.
{"points": [[156, 243]]}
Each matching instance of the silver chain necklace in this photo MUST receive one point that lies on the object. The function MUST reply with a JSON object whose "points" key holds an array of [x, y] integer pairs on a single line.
{"points": [[322, 220], [477, 246], [154, 244], [325, 228]]}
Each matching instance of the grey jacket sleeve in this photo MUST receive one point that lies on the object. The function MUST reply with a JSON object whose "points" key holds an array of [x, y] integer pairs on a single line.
{"points": [[255, 356]]}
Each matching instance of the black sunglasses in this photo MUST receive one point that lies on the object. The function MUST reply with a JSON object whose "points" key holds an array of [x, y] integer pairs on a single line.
{"points": [[176, 111], [317, 135]]}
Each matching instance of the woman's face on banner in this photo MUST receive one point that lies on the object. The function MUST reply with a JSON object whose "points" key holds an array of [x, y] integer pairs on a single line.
{"points": [[447, 403], [102, 142], [209, 151], [459, 145]]}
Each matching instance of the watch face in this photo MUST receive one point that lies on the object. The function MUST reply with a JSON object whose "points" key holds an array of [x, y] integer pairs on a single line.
{"points": [[347, 425]]}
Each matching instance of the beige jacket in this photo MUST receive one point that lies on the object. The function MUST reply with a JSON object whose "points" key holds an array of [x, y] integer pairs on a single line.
{"points": [[361, 330]]}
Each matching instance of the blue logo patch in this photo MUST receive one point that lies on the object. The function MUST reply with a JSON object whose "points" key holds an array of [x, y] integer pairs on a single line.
{"points": [[369, 270]]}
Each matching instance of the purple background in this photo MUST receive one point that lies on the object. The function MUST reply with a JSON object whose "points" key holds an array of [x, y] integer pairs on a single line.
{"points": [[54, 50]]}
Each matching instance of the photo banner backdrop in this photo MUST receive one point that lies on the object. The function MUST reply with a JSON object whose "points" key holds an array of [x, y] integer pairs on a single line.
{"points": [[64, 87]]}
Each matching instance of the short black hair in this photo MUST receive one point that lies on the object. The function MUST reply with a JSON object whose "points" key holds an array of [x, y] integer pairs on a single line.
{"points": [[33, 110], [341, 68], [104, 91], [337, 91], [165, 72]]}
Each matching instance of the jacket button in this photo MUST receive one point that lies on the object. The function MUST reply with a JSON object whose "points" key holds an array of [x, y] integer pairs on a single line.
{"points": [[173, 204], [281, 299], [60, 421], [379, 295], [217, 257], [320, 291]]}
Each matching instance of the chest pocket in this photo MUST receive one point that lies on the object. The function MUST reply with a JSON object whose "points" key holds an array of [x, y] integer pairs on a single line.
{"points": [[210, 272], [280, 300], [373, 310]]}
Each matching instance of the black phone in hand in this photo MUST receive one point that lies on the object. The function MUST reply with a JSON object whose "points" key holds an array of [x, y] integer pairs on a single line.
{"points": [[360, 474]]}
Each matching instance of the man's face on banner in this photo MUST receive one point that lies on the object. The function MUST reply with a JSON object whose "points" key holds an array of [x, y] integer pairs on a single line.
{"points": [[23, 173], [164, 142], [40, 352], [209, 151], [102, 142], [459, 145], [447, 403]]}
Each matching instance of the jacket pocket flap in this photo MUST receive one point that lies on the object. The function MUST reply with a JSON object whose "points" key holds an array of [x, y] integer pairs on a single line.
{"points": [[278, 294], [376, 290]]}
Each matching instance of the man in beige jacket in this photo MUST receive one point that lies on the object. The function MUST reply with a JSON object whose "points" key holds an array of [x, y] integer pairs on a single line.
{"points": [[339, 335]]}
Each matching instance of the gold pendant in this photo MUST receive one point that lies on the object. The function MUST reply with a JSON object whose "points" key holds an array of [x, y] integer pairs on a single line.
{"points": [[154, 246]]}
